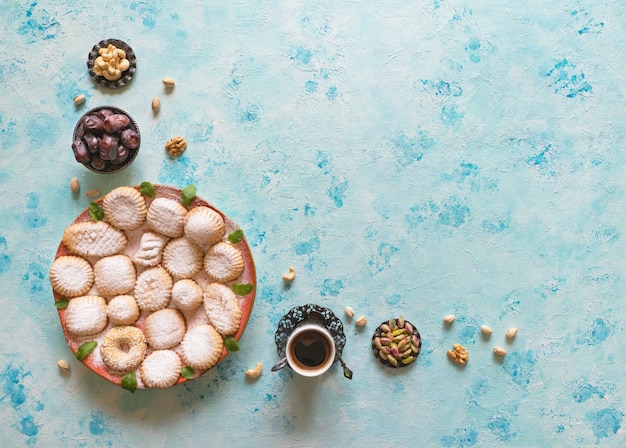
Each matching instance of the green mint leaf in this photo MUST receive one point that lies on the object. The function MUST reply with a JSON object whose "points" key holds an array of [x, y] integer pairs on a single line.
{"points": [[241, 289], [236, 236], [96, 211], [61, 304], [85, 349], [231, 344], [187, 372], [129, 382], [147, 189], [188, 195]]}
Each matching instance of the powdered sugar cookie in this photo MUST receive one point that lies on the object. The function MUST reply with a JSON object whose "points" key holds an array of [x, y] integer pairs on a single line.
{"points": [[94, 239], [150, 249], [114, 275], [122, 231], [86, 315], [182, 258], [204, 226], [71, 276], [164, 328], [166, 217], [201, 347], [123, 310], [222, 308], [161, 368], [187, 295], [223, 262], [125, 208], [153, 289]]}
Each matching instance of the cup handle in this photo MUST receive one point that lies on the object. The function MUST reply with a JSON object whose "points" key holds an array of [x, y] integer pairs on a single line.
{"points": [[282, 363]]}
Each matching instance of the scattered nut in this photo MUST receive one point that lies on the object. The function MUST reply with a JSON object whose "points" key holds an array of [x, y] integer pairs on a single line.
{"points": [[75, 185], [361, 321], [256, 372], [499, 351], [448, 319], [63, 364], [175, 146], [79, 99], [511, 332], [92, 193], [486, 330], [290, 276], [458, 355], [349, 312], [168, 82], [156, 104]]}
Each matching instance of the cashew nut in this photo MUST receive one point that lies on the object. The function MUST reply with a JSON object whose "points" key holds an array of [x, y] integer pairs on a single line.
{"points": [[256, 372], [291, 275], [111, 62]]}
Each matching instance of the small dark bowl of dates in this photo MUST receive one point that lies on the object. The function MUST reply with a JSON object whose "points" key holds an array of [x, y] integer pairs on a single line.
{"points": [[106, 140]]}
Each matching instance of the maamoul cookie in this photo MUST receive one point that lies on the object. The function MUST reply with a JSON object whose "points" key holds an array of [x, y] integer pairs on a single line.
{"points": [[223, 262], [164, 328], [166, 217], [125, 208], [187, 295], [161, 368], [204, 226], [86, 315], [222, 308], [94, 239], [123, 348], [182, 258], [123, 310], [201, 347], [114, 275], [150, 249], [71, 276], [153, 289]]}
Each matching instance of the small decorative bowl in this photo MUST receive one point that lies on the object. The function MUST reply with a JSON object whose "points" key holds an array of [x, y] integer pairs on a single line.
{"points": [[396, 343], [109, 167], [127, 75]]}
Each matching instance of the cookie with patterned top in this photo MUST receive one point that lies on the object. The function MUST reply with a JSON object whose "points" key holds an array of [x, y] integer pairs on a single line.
{"points": [[153, 289], [201, 347], [223, 262], [94, 239], [125, 208], [182, 258], [71, 276], [204, 226], [222, 308], [114, 275], [160, 369], [166, 217], [164, 328], [86, 315]]}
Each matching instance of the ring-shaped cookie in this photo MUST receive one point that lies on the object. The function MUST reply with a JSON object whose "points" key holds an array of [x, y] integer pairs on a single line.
{"points": [[124, 348]]}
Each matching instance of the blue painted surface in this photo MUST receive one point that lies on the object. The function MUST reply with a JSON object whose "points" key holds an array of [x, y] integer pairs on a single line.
{"points": [[417, 160]]}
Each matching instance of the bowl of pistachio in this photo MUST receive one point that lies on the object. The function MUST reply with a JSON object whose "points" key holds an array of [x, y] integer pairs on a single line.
{"points": [[106, 140]]}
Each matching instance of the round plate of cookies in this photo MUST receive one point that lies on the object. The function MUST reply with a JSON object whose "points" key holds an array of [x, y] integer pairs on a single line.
{"points": [[153, 285]]}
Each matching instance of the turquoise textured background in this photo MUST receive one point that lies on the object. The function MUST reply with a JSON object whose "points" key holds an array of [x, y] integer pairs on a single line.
{"points": [[407, 158]]}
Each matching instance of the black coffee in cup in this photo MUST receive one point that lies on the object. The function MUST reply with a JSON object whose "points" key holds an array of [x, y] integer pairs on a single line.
{"points": [[310, 350]]}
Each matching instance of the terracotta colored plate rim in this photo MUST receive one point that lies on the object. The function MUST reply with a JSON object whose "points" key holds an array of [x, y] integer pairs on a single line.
{"points": [[246, 302]]}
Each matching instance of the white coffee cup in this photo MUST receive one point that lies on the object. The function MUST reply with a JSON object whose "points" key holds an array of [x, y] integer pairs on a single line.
{"points": [[310, 350]]}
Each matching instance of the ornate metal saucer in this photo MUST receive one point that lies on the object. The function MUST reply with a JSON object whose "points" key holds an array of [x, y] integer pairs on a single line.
{"points": [[310, 313]]}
